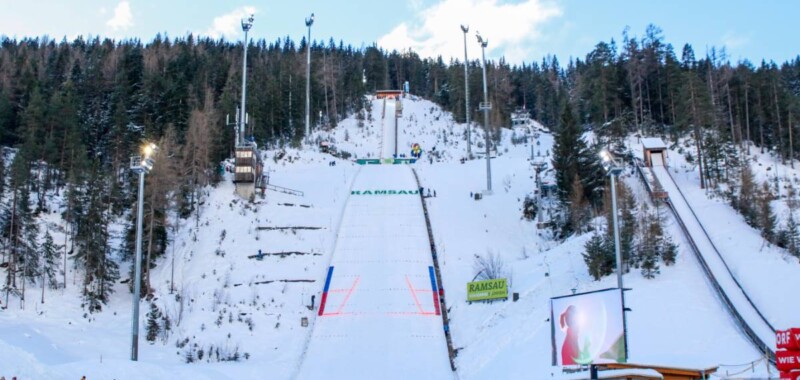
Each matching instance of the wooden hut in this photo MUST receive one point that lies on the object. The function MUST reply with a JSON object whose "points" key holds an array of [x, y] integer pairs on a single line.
{"points": [[654, 151]]}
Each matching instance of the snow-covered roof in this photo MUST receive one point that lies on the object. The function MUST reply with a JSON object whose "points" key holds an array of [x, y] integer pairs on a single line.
{"points": [[653, 143], [616, 374]]}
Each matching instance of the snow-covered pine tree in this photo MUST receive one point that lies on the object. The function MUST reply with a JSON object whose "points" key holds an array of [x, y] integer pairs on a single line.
{"points": [[11, 223], [50, 261], [599, 256], [153, 323], [92, 254], [766, 217], [745, 200], [791, 235], [650, 250], [626, 205], [28, 246]]}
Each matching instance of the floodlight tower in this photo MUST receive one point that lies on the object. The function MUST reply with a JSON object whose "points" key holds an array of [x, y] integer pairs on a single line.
{"points": [[614, 169], [246, 25], [465, 29], [141, 164], [485, 106], [309, 22]]}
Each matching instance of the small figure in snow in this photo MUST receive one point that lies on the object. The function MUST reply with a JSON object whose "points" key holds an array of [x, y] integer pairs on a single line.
{"points": [[260, 255], [470, 195]]}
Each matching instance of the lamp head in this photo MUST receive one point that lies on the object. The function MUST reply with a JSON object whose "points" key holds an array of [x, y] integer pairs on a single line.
{"points": [[310, 20], [465, 28], [609, 163], [247, 23]]}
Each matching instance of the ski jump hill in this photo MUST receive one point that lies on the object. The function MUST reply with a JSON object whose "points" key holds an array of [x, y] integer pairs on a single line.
{"points": [[379, 316], [738, 303]]}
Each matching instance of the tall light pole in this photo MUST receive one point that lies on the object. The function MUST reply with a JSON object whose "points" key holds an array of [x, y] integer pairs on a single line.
{"points": [[613, 170], [246, 25], [465, 29], [486, 106], [141, 165], [309, 22]]}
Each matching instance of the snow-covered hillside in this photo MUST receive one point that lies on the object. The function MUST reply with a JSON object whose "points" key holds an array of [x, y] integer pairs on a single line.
{"points": [[226, 299]]}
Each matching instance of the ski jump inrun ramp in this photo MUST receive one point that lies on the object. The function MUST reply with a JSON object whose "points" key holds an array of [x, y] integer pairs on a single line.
{"points": [[739, 304], [380, 317]]}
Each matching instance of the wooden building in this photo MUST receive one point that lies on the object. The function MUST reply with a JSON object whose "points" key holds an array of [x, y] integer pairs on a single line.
{"points": [[388, 94], [654, 151], [247, 164], [668, 373]]}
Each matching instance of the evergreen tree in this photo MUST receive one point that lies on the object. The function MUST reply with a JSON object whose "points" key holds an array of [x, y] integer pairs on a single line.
{"points": [[599, 256], [669, 250], [91, 242], [626, 206], [16, 216], [28, 247], [568, 143], [792, 235], [745, 202], [50, 263], [651, 245], [579, 212], [153, 326], [766, 217]]}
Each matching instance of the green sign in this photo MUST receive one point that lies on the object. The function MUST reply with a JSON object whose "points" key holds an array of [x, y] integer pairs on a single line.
{"points": [[384, 192], [487, 290], [385, 161], [368, 161]]}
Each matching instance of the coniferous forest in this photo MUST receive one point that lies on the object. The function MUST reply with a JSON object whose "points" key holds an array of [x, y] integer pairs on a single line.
{"points": [[75, 111]]}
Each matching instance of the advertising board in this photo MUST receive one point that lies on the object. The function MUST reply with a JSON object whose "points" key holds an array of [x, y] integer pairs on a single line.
{"points": [[487, 290], [588, 328]]}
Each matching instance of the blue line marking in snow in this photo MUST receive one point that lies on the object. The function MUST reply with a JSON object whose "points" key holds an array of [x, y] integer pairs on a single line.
{"points": [[433, 279], [328, 280]]}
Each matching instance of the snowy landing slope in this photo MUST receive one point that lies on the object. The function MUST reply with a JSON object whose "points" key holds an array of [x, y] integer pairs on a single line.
{"points": [[379, 315], [718, 267]]}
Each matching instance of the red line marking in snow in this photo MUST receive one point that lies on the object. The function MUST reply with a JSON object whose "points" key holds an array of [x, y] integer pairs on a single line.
{"points": [[408, 313], [334, 314], [347, 297], [414, 294]]}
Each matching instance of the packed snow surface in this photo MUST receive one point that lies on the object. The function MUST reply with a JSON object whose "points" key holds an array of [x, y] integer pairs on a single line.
{"points": [[380, 316]]}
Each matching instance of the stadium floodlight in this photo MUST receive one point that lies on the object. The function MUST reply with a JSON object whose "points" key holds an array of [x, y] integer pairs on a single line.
{"points": [[246, 25], [465, 29], [486, 106], [309, 22], [614, 169], [141, 164]]}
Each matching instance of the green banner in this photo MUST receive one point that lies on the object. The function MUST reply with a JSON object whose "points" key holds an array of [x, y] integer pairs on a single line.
{"points": [[487, 290], [368, 161], [385, 161]]}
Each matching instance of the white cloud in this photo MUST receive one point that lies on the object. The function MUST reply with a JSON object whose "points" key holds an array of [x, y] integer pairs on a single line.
{"points": [[229, 25], [731, 40], [123, 18], [511, 29]]}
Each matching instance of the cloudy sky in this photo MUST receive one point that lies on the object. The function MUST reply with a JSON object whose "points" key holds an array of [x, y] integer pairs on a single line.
{"points": [[519, 30]]}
